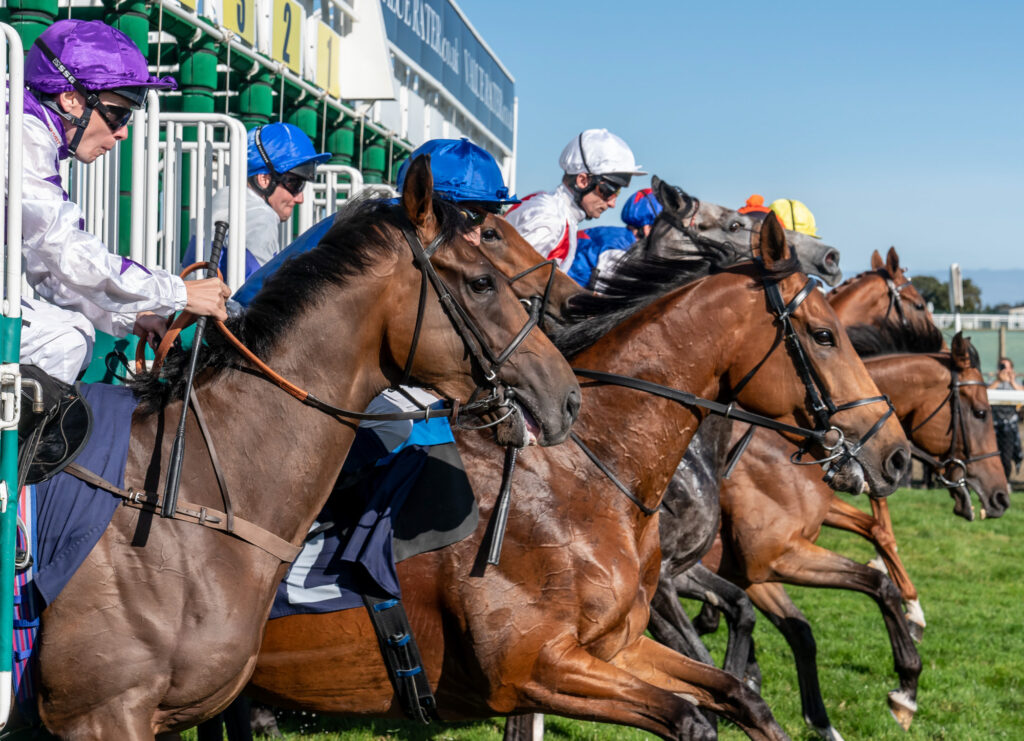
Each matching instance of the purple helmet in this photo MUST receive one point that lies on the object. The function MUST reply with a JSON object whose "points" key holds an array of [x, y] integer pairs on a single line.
{"points": [[93, 54]]}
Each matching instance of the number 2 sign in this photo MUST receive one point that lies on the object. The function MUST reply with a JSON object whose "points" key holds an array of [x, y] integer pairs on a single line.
{"points": [[287, 44]]}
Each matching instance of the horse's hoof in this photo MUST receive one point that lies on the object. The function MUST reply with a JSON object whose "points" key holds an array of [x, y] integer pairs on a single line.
{"points": [[916, 631], [829, 734], [902, 707]]}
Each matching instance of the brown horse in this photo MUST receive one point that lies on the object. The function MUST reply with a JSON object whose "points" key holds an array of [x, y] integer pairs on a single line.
{"points": [[769, 528], [159, 627], [558, 626]]}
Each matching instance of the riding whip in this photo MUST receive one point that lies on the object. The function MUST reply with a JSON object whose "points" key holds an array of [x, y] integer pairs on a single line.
{"points": [[170, 503]]}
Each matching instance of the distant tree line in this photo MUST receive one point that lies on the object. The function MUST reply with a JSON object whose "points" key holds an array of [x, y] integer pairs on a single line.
{"points": [[937, 292]]}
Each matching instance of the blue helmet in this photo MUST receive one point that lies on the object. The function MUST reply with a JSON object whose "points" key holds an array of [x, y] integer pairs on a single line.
{"points": [[641, 208], [284, 147], [462, 172]]}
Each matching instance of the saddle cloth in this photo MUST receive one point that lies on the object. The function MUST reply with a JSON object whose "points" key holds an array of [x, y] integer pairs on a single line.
{"points": [[414, 501]]}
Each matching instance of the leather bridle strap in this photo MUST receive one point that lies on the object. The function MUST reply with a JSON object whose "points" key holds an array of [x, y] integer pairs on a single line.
{"points": [[611, 476], [729, 411]]}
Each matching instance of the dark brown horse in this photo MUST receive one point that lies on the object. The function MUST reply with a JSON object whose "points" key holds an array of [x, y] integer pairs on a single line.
{"points": [[160, 626], [558, 627], [769, 527]]}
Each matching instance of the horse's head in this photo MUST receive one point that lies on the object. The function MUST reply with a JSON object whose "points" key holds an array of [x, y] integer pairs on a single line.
{"points": [[962, 433], [508, 251], [480, 336], [884, 298], [685, 223], [801, 367]]}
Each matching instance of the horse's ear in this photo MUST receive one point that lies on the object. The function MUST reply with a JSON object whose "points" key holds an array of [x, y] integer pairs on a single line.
{"points": [[892, 262], [876, 261], [667, 196], [773, 241], [960, 350], [418, 192]]}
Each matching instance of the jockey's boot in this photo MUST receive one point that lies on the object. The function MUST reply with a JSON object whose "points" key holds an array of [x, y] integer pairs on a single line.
{"points": [[54, 425]]}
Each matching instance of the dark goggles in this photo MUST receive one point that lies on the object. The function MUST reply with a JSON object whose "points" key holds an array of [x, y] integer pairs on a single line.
{"points": [[116, 117], [473, 217], [607, 189], [292, 182]]}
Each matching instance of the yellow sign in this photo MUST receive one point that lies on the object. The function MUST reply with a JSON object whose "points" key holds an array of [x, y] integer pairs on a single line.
{"points": [[327, 60], [240, 17], [287, 46], [190, 4]]}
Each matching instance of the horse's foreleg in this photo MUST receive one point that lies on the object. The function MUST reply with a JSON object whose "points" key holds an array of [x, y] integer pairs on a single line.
{"points": [[711, 688], [773, 601], [570, 681], [809, 565], [877, 529], [703, 584]]}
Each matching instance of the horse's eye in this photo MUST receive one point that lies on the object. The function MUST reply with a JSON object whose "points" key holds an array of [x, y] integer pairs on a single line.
{"points": [[734, 226], [824, 337], [482, 284], [489, 235], [919, 307], [981, 413]]}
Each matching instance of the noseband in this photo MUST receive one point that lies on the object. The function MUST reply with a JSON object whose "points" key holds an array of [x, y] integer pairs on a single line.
{"points": [[958, 428]]}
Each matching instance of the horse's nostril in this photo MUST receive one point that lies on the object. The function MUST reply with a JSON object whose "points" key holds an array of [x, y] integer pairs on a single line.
{"points": [[832, 258], [572, 404], [896, 464], [1000, 502]]}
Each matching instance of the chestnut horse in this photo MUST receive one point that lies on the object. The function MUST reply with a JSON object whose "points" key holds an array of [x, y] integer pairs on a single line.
{"points": [[160, 626], [558, 626], [769, 528]]}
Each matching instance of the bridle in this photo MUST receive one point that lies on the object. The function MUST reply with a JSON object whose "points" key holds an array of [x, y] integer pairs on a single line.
{"points": [[896, 298], [958, 429], [487, 362], [823, 408]]}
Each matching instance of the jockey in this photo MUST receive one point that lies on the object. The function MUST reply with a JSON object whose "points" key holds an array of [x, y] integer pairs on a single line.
{"points": [[596, 165], [755, 205], [281, 161], [795, 216], [84, 79], [600, 248]]}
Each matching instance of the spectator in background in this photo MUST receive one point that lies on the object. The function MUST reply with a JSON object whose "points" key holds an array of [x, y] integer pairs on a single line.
{"points": [[1005, 419], [600, 248]]}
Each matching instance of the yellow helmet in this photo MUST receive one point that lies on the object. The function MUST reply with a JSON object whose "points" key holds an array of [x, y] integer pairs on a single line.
{"points": [[795, 215]]}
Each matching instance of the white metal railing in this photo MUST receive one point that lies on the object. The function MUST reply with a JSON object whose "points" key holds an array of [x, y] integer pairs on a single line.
{"points": [[1005, 396], [980, 321], [325, 195], [156, 222], [12, 75]]}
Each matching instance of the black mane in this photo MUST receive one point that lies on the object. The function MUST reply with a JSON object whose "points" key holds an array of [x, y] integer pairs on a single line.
{"points": [[892, 337], [637, 282], [350, 246]]}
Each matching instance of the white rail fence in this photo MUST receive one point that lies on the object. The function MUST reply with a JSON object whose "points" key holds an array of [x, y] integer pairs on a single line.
{"points": [[981, 321]]}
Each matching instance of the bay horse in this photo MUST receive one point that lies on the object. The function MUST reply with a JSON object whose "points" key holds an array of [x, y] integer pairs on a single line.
{"points": [[769, 527], [558, 626], [160, 626]]}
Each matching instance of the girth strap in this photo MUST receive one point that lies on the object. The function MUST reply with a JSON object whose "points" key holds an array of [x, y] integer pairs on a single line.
{"points": [[402, 657], [194, 513]]}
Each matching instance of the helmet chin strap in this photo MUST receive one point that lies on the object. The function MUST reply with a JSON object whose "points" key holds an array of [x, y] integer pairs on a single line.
{"points": [[265, 193], [79, 122], [580, 193]]}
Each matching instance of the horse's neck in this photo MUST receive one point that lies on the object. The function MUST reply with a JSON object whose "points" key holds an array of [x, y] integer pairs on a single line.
{"points": [[280, 457], [643, 437], [916, 383], [857, 305]]}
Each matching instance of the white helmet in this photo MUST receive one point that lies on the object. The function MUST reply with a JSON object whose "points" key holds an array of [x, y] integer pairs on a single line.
{"points": [[599, 152]]}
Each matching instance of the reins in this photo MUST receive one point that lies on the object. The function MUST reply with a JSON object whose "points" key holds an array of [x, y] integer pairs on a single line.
{"points": [[820, 401]]}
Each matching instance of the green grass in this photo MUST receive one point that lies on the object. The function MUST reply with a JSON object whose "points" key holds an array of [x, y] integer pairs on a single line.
{"points": [[971, 580]]}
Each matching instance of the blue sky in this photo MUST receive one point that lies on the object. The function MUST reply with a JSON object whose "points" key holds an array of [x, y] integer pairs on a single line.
{"points": [[897, 123]]}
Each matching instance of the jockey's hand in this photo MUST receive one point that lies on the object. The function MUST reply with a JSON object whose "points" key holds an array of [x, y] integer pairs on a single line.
{"points": [[150, 328], [206, 297]]}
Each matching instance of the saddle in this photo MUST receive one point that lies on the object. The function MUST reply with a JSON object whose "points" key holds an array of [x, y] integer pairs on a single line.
{"points": [[48, 440]]}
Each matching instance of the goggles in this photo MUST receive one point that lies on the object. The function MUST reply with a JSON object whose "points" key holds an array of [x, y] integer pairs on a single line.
{"points": [[116, 117], [292, 182], [607, 189]]}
